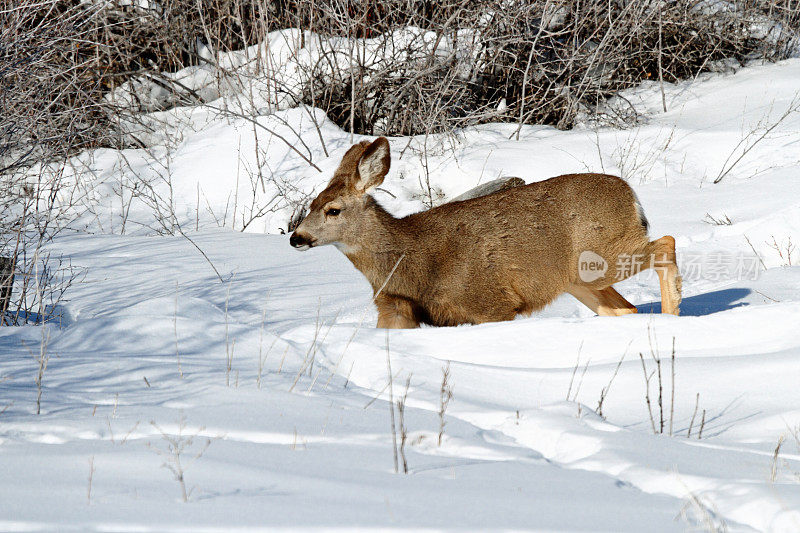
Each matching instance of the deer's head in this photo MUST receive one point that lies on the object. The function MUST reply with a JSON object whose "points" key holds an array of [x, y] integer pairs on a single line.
{"points": [[338, 215]]}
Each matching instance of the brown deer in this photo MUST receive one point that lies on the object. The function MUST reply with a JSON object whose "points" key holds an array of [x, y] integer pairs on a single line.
{"points": [[493, 257]]}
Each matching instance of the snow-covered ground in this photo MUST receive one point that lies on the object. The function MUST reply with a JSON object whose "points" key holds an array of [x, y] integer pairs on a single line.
{"points": [[154, 347]]}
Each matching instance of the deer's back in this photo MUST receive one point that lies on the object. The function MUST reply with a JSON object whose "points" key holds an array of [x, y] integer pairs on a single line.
{"points": [[514, 251]]}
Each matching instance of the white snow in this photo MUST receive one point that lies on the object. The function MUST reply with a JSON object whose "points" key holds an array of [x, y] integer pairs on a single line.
{"points": [[523, 446]]}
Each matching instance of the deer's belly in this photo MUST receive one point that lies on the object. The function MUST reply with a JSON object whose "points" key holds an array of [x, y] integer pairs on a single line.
{"points": [[487, 298], [470, 307]]}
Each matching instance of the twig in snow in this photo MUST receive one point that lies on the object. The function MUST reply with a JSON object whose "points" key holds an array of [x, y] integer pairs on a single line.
{"points": [[794, 106], [754, 252], [694, 414], [647, 392], [657, 358], [604, 391]]}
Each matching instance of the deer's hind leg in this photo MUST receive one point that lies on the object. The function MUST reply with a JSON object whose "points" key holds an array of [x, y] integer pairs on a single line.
{"points": [[660, 255], [604, 302], [395, 313], [666, 266]]}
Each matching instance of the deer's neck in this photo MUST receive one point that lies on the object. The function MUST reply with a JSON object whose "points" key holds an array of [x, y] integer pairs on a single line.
{"points": [[384, 252]]}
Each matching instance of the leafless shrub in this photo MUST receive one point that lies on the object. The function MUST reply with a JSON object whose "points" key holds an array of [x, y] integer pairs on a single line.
{"points": [[471, 62], [38, 285], [657, 360], [48, 92], [407, 67], [784, 249], [544, 61], [634, 161], [664, 422], [49, 113], [755, 135], [177, 447]]}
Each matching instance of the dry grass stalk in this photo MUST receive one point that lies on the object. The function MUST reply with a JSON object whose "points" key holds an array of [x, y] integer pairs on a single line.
{"points": [[229, 346], [604, 391], [774, 470], [175, 328], [574, 371], [703, 514], [672, 395], [42, 357], [702, 425], [308, 360], [401, 412], [647, 393], [445, 395], [391, 403], [91, 477]]}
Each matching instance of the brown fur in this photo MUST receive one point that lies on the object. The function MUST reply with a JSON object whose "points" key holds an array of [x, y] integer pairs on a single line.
{"points": [[488, 258]]}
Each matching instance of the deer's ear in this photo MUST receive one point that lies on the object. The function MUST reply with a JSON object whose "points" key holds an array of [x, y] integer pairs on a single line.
{"points": [[373, 165]]}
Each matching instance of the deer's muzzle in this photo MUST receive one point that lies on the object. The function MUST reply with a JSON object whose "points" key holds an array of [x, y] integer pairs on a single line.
{"points": [[301, 242]]}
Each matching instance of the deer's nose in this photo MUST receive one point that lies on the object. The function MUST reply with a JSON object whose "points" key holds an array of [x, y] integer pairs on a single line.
{"points": [[298, 240]]}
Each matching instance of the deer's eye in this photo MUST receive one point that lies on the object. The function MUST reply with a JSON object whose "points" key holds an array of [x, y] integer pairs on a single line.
{"points": [[332, 212]]}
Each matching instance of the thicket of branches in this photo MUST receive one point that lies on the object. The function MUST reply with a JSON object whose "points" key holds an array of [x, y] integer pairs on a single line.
{"points": [[49, 108], [531, 61], [538, 61], [523, 61], [468, 62]]}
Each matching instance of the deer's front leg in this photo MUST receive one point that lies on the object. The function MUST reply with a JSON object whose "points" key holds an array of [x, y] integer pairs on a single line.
{"points": [[395, 313]]}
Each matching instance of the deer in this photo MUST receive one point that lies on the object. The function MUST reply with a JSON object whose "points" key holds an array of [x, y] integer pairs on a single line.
{"points": [[493, 257]]}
